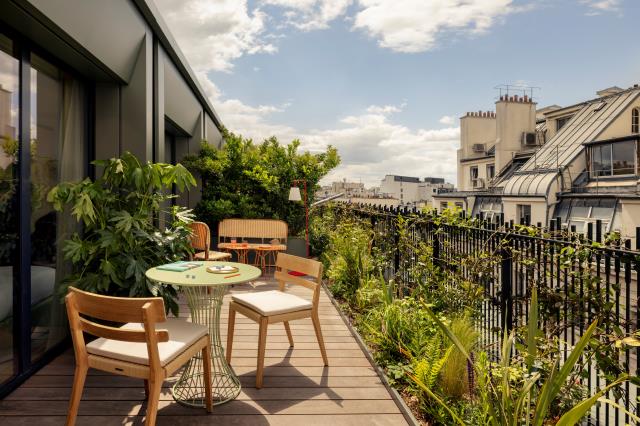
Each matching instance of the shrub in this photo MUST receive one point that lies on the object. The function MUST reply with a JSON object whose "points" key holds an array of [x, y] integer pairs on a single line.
{"points": [[248, 180], [349, 258], [455, 378]]}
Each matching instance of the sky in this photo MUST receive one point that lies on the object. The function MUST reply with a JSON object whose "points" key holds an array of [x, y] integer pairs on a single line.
{"points": [[385, 81]]}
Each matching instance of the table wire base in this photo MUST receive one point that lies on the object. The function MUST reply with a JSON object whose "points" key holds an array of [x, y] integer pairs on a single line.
{"points": [[205, 304]]}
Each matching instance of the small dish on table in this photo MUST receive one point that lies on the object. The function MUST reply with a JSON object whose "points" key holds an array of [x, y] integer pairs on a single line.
{"points": [[222, 269]]}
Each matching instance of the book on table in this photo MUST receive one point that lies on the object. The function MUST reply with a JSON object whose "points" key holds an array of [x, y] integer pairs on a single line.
{"points": [[180, 266]]}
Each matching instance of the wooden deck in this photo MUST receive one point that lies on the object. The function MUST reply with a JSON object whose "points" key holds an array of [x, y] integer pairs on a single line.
{"points": [[298, 389]]}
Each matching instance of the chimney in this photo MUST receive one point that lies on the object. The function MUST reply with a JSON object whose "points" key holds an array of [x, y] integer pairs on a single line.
{"points": [[513, 118]]}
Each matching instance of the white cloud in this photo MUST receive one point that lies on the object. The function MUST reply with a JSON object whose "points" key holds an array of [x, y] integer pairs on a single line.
{"points": [[447, 120], [597, 7], [212, 34], [414, 25], [370, 144], [383, 110], [310, 15], [250, 121]]}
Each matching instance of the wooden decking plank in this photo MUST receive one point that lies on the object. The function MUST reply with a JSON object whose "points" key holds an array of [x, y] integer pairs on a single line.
{"points": [[247, 420], [298, 389], [236, 407], [137, 394]]}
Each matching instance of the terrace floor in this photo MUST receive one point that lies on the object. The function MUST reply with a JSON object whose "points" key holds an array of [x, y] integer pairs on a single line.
{"points": [[298, 389]]}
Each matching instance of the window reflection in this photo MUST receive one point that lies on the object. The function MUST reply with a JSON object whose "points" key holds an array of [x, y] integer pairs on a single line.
{"points": [[57, 147], [9, 98], [614, 159]]}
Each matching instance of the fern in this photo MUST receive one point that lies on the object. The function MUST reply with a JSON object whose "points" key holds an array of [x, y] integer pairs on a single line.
{"points": [[428, 367]]}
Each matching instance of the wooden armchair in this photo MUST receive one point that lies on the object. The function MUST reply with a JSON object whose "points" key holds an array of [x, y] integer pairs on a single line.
{"points": [[274, 306], [201, 240], [137, 349]]}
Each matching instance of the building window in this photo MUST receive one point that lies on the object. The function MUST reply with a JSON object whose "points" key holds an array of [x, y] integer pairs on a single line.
{"points": [[474, 173], [579, 213], [443, 206], [491, 171], [635, 120], [560, 122], [616, 159], [523, 212], [459, 205], [489, 207]]}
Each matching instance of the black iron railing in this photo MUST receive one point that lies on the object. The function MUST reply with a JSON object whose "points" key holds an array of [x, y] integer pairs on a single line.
{"points": [[584, 274]]}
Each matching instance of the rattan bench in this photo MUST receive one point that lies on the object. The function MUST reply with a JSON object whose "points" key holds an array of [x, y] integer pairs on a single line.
{"points": [[263, 231]]}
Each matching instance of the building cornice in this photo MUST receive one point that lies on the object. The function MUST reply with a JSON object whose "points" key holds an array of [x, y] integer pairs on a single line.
{"points": [[468, 160]]}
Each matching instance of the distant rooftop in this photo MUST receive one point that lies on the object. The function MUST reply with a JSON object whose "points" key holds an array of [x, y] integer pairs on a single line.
{"points": [[397, 178], [433, 180], [609, 91]]}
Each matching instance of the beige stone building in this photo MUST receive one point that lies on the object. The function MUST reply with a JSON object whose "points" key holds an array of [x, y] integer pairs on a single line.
{"points": [[579, 163], [412, 191]]}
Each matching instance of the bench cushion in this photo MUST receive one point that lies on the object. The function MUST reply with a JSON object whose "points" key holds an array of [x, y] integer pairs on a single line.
{"points": [[182, 334], [272, 302], [213, 255]]}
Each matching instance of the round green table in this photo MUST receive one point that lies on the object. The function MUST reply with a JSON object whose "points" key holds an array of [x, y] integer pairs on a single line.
{"points": [[204, 291]]}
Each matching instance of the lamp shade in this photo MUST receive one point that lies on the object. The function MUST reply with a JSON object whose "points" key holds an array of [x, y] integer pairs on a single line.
{"points": [[294, 194]]}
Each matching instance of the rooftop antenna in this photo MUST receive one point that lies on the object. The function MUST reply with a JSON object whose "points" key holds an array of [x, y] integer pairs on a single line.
{"points": [[517, 89]]}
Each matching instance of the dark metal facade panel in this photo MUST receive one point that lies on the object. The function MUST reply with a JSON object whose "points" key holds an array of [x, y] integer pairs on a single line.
{"points": [[110, 30], [181, 105]]}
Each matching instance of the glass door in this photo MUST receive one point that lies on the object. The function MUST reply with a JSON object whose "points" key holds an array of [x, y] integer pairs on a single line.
{"points": [[57, 155], [9, 102], [43, 141]]}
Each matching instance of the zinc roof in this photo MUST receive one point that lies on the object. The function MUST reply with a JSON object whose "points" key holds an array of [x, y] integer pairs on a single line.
{"points": [[537, 174]]}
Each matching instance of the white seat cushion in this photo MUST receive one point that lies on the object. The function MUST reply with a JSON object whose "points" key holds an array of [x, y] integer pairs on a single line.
{"points": [[182, 334], [213, 255], [272, 302]]}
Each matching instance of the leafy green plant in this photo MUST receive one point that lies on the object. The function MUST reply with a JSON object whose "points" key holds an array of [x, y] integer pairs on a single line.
{"points": [[349, 258], [428, 368], [249, 180], [121, 240], [454, 379], [531, 399], [413, 280]]}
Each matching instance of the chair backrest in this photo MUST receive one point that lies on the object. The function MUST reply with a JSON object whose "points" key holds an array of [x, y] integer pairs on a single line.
{"points": [[286, 263], [263, 229], [83, 307], [200, 236]]}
